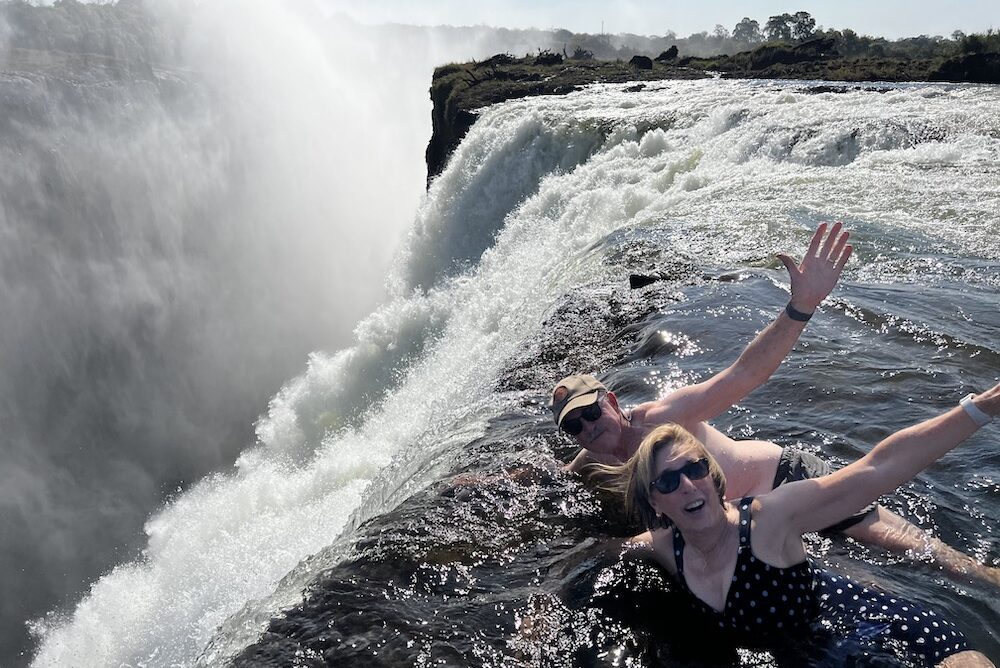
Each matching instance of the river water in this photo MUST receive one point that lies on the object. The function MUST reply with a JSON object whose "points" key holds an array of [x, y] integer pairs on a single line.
{"points": [[515, 273]]}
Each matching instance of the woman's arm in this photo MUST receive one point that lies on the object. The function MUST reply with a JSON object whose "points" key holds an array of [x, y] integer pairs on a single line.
{"points": [[812, 505], [657, 547]]}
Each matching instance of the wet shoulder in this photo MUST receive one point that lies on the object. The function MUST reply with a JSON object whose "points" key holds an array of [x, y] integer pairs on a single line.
{"points": [[654, 413], [773, 540], [657, 546]]}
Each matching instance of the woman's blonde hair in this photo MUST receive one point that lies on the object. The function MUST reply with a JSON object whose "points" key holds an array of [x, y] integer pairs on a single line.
{"points": [[631, 480]]}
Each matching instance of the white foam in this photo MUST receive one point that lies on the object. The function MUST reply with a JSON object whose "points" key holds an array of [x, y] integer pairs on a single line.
{"points": [[729, 183]]}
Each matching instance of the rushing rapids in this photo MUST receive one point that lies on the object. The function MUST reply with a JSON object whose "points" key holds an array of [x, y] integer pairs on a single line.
{"points": [[516, 272]]}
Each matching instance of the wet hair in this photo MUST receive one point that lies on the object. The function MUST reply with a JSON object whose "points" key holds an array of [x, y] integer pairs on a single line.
{"points": [[631, 480]]}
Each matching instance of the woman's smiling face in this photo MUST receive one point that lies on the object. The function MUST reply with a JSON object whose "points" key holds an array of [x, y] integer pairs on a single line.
{"points": [[685, 505]]}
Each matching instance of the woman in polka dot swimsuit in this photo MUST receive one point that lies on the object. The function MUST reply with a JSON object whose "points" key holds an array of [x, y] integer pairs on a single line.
{"points": [[743, 564]]}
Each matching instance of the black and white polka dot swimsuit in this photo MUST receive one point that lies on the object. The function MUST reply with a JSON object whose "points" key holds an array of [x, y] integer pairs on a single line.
{"points": [[870, 617], [765, 603], [763, 600]]}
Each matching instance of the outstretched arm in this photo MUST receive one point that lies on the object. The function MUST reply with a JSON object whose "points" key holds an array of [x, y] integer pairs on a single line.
{"points": [[811, 281], [814, 504], [585, 458]]}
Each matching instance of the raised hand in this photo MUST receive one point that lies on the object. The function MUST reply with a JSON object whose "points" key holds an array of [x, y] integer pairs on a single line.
{"points": [[814, 277]]}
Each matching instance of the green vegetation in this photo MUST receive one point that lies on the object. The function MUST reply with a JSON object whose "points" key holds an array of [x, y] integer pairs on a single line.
{"points": [[125, 30], [789, 47], [504, 77], [781, 29]]}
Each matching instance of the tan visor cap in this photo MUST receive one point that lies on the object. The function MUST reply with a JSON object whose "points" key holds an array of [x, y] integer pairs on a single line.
{"points": [[573, 392]]}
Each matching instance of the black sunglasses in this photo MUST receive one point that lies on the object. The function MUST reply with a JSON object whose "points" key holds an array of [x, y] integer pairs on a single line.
{"points": [[670, 480], [574, 426]]}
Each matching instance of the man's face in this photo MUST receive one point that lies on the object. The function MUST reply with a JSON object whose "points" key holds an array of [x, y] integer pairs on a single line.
{"points": [[603, 434]]}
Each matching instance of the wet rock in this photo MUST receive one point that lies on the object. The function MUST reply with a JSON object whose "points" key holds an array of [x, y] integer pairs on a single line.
{"points": [[641, 62]]}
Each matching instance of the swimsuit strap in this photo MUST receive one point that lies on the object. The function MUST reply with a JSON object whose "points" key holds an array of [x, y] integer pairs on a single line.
{"points": [[744, 507], [679, 556]]}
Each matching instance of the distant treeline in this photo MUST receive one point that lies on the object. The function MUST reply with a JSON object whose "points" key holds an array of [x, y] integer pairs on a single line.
{"points": [[749, 34], [125, 30]]}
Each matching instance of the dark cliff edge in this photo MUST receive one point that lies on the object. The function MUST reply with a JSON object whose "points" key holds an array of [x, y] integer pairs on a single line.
{"points": [[459, 90]]}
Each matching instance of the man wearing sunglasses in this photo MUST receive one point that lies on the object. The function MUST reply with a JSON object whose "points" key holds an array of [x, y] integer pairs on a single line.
{"points": [[586, 410]]}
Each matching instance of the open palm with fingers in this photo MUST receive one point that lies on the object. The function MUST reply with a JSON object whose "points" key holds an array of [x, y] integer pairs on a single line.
{"points": [[820, 269]]}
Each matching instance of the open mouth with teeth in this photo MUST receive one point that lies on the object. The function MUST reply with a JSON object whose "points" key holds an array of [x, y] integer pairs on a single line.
{"points": [[694, 506]]}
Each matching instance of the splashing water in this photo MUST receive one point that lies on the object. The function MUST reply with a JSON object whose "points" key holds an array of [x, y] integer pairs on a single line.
{"points": [[548, 202]]}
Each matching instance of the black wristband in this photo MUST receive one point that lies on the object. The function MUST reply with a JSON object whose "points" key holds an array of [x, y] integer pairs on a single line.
{"points": [[797, 315]]}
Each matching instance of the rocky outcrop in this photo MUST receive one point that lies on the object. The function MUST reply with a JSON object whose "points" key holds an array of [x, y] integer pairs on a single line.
{"points": [[668, 55], [449, 123], [641, 62], [972, 67], [458, 91]]}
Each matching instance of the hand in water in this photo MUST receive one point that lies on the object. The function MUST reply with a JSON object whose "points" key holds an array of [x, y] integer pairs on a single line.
{"points": [[465, 485]]}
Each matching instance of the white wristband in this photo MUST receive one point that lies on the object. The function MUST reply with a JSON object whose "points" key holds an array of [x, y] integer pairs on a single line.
{"points": [[977, 415]]}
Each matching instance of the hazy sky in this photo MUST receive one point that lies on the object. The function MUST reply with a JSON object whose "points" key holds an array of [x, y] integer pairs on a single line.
{"points": [[892, 18]]}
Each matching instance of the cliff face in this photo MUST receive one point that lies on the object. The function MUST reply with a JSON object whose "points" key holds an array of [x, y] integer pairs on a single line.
{"points": [[449, 123], [459, 90]]}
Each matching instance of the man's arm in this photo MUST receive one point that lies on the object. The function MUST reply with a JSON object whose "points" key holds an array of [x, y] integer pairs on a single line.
{"points": [[811, 281], [585, 457], [463, 484]]}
